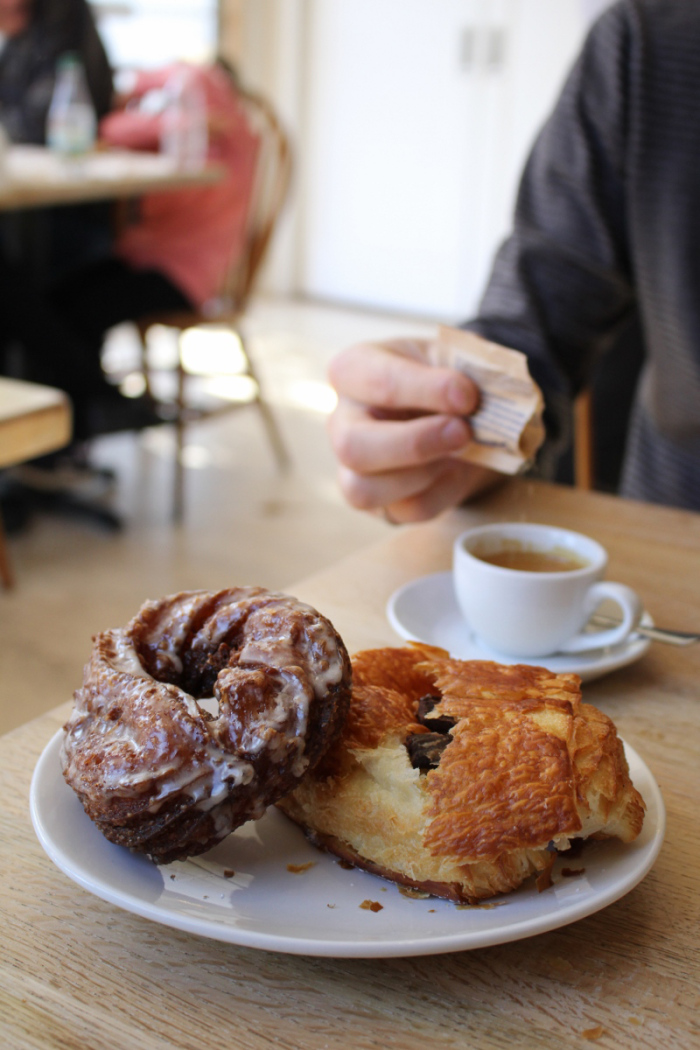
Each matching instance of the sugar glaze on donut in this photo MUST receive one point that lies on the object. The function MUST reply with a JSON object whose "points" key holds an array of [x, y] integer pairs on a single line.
{"points": [[201, 712]]}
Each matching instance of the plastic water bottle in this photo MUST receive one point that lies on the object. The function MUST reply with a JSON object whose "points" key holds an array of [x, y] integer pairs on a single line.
{"points": [[71, 123], [184, 136], [4, 149]]}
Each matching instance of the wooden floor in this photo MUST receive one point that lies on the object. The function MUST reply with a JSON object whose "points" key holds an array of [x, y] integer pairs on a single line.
{"points": [[245, 523]]}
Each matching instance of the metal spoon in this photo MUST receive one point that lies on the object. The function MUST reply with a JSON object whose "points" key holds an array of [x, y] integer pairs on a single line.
{"points": [[658, 634]]}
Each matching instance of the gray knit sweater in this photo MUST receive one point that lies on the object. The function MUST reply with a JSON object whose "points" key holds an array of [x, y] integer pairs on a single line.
{"points": [[608, 224]]}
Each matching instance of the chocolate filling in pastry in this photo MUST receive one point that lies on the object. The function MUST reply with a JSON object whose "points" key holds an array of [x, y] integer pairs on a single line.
{"points": [[425, 749]]}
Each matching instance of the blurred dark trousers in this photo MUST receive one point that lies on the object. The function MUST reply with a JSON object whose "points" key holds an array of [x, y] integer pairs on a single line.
{"points": [[109, 292]]}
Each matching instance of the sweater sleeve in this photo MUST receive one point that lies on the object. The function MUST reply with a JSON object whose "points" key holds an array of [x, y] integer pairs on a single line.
{"points": [[561, 286]]}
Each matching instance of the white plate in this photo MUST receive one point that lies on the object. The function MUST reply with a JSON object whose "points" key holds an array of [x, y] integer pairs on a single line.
{"points": [[317, 911], [426, 610]]}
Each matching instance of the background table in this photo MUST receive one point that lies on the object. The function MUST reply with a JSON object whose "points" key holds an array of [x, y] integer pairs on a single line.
{"points": [[34, 420], [34, 177], [79, 973]]}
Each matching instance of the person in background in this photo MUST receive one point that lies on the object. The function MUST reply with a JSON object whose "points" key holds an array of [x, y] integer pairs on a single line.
{"points": [[606, 239], [34, 34], [34, 343], [174, 251]]}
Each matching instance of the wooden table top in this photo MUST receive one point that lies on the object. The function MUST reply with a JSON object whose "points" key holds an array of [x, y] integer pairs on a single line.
{"points": [[80, 973], [34, 177], [34, 419]]}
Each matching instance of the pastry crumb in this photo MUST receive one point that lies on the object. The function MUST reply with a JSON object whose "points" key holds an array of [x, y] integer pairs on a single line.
{"points": [[297, 869], [544, 880], [372, 906]]}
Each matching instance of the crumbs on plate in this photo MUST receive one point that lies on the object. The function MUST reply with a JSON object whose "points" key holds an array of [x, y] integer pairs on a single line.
{"points": [[372, 906]]}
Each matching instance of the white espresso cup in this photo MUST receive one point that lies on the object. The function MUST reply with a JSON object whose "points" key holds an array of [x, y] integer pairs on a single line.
{"points": [[540, 606]]}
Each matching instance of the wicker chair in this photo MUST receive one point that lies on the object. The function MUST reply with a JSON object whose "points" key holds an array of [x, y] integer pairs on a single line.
{"points": [[271, 186]]}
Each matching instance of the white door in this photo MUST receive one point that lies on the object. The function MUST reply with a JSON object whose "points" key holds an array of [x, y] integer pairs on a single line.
{"points": [[418, 115]]}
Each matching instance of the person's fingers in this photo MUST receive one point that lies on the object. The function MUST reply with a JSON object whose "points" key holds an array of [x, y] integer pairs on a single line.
{"points": [[410, 496], [368, 445], [449, 487], [374, 491], [419, 493], [452, 486], [385, 376]]}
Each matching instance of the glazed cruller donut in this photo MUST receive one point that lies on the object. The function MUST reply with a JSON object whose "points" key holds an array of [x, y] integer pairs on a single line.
{"points": [[159, 772]]}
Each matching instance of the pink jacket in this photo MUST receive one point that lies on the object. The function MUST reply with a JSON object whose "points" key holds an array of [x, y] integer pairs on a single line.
{"points": [[191, 235]]}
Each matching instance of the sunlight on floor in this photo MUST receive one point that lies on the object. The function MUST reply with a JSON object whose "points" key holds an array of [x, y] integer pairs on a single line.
{"points": [[213, 355]]}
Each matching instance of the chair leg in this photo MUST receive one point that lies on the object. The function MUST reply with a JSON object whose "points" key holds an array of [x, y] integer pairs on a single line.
{"points": [[278, 446], [584, 474], [6, 574], [179, 477], [142, 330], [273, 432]]}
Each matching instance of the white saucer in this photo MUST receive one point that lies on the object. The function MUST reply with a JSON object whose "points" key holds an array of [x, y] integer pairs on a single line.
{"points": [[426, 610]]}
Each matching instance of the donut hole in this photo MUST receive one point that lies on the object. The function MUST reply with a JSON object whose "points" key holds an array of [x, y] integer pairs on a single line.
{"points": [[202, 668], [192, 669]]}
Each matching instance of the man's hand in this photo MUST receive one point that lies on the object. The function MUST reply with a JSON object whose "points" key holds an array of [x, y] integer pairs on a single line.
{"points": [[397, 422]]}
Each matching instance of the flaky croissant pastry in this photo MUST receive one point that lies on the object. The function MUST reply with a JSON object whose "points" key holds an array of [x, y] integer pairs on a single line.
{"points": [[461, 778]]}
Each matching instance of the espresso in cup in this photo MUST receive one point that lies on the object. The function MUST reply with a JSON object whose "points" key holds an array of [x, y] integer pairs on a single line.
{"points": [[528, 590], [515, 556]]}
